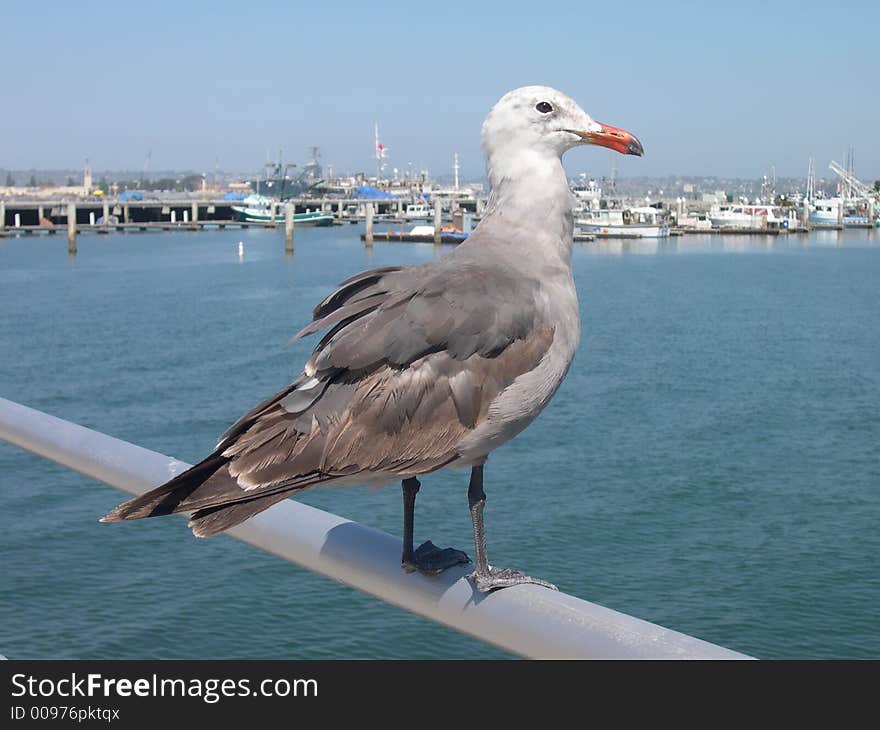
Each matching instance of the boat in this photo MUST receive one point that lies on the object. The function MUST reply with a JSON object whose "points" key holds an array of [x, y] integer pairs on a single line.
{"points": [[636, 222], [742, 215], [587, 193], [448, 233], [418, 210], [420, 234], [260, 209], [693, 220], [827, 212]]}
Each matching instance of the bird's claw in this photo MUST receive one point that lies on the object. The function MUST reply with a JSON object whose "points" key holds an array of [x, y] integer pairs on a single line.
{"points": [[496, 578]]}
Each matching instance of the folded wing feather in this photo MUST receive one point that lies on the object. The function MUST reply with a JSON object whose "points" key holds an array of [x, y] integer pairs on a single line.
{"points": [[412, 361]]}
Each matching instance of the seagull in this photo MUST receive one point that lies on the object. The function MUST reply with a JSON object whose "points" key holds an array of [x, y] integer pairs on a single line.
{"points": [[423, 367]]}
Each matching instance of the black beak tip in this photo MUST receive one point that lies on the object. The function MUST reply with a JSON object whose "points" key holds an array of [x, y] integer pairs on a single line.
{"points": [[635, 148]]}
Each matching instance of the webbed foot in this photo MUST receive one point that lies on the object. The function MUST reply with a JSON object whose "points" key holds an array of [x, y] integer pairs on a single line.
{"points": [[495, 578], [431, 560]]}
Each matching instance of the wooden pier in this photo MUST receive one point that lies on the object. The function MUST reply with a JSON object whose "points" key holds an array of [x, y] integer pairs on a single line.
{"points": [[24, 213], [100, 228], [95, 215]]}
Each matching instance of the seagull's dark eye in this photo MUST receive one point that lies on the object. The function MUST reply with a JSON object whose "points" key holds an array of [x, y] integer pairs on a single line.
{"points": [[545, 107]]}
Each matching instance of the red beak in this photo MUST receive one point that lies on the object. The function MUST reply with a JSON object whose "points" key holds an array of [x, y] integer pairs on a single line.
{"points": [[613, 138]]}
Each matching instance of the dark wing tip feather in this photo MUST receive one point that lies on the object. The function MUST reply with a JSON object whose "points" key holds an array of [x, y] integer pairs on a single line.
{"points": [[166, 498], [349, 288]]}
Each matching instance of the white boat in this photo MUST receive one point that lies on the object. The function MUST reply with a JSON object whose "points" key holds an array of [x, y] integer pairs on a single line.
{"points": [[587, 193], [743, 215], [826, 212], [418, 210], [695, 221], [639, 222], [260, 209]]}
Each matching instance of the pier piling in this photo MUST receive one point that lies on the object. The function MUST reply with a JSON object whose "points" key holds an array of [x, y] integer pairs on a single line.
{"points": [[2, 215], [368, 225], [806, 215], [288, 227], [437, 232], [106, 213], [71, 228], [194, 215]]}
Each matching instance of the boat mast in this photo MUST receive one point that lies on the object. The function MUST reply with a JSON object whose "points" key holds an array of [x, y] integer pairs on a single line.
{"points": [[380, 152], [850, 174], [811, 182], [279, 175]]}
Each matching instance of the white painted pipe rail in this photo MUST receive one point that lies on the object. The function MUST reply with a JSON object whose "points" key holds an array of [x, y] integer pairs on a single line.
{"points": [[527, 620]]}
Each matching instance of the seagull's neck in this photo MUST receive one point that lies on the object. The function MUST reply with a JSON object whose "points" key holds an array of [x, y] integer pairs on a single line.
{"points": [[531, 198]]}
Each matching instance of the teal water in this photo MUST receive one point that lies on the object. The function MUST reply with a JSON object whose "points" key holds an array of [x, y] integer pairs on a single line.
{"points": [[711, 462]]}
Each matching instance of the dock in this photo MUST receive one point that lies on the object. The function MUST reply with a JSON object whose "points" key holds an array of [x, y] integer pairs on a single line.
{"points": [[730, 231], [94, 215], [16, 213], [131, 227], [182, 214]]}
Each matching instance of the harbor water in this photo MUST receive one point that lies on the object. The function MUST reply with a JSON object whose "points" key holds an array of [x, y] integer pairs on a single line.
{"points": [[710, 464]]}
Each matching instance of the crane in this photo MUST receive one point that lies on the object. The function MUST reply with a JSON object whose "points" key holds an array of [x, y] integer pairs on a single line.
{"points": [[853, 187]]}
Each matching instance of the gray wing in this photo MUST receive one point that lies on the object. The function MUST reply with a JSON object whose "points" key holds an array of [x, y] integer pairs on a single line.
{"points": [[412, 360], [410, 365], [385, 320]]}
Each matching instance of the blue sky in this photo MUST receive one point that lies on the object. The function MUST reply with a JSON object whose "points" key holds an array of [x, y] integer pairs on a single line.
{"points": [[710, 88]]}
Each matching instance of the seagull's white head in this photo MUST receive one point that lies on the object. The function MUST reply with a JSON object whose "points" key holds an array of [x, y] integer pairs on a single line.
{"points": [[544, 120]]}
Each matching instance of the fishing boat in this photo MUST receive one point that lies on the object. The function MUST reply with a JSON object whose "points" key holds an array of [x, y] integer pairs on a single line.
{"points": [[587, 193], [638, 222], [740, 215], [260, 209], [827, 212]]}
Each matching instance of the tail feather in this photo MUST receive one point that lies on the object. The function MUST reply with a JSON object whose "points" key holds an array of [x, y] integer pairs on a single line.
{"points": [[165, 499], [213, 520], [214, 497]]}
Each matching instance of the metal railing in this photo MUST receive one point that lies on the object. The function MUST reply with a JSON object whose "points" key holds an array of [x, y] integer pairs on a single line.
{"points": [[527, 620]]}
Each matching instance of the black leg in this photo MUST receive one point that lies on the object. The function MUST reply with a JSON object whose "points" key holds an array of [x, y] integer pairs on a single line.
{"points": [[428, 558], [410, 490], [487, 578]]}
